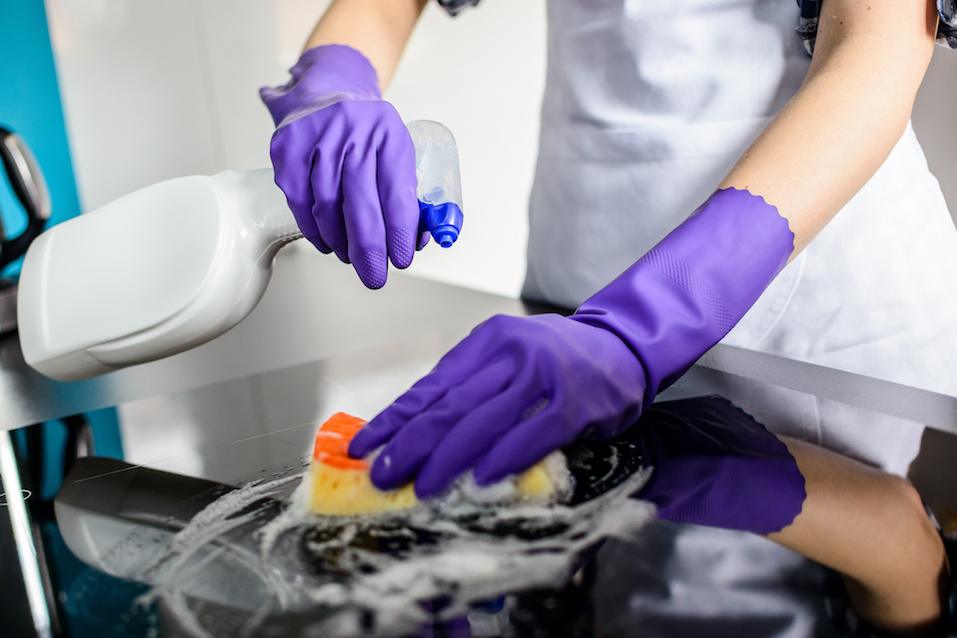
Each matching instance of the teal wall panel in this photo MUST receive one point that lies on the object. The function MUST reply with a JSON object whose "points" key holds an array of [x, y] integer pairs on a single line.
{"points": [[30, 104]]}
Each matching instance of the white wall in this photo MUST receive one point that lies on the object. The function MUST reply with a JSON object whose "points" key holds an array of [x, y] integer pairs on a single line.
{"points": [[153, 90]]}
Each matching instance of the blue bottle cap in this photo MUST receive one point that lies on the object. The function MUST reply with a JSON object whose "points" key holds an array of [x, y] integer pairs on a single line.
{"points": [[443, 221]]}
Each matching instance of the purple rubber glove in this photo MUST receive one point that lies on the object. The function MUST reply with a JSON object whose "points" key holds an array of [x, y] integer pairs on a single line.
{"points": [[346, 162], [518, 388], [715, 465]]}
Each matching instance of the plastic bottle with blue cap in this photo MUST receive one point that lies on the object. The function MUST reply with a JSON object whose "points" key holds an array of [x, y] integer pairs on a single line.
{"points": [[439, 184], [221, 231]]}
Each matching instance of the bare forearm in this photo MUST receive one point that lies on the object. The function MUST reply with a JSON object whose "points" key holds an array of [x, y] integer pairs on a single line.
{"points": [[842, 124], [379, 29], [870, 527]]}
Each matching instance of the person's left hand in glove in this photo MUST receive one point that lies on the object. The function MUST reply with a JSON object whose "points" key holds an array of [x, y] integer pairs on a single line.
{"points": [[519, 387], [510, 393]]}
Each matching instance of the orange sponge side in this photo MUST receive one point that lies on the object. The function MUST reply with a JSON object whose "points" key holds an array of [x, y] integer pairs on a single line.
{"points": [[340, 485], [332, 441]]}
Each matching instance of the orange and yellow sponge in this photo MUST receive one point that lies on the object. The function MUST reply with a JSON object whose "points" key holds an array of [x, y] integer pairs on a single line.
{"points": [[339, 485]]}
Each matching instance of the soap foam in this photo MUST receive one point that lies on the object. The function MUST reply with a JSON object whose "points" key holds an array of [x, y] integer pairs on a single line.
{"points": [[282, 569]]}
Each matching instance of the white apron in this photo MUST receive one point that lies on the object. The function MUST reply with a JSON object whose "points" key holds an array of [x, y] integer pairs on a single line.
{"points": [[647, 106]]}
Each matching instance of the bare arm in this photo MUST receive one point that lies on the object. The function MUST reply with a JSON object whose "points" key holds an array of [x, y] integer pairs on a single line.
{"points": [[869, 526], [379, 29], [855, 102]]}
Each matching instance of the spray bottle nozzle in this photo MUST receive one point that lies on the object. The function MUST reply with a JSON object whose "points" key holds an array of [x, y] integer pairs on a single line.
{"points": [[443, 221]]}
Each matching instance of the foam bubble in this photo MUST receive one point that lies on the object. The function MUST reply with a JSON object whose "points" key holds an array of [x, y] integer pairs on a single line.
{"points": [[257, 556]]}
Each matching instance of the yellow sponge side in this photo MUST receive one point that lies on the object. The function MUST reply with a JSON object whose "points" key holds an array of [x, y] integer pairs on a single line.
{"points": [[535, 483], [347, 492]]}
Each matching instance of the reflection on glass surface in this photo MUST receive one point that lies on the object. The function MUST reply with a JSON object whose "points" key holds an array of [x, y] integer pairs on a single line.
{"points": [[118, 524]]}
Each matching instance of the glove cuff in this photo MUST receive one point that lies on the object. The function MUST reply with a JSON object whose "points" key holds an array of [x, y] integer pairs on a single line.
{"points": [[687, 292], [323, 75]]}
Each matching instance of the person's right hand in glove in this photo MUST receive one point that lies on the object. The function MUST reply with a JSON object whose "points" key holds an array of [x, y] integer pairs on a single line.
{"points": [[346, 163]]}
